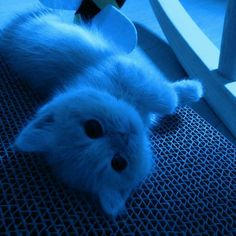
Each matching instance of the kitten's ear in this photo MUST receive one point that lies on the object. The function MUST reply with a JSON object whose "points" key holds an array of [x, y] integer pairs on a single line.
{"points": [[188, 91], [113, 201], [37, 135]]}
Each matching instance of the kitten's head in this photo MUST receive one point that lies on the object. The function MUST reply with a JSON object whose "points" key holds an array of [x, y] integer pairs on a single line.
{"points": [[95, 142]]}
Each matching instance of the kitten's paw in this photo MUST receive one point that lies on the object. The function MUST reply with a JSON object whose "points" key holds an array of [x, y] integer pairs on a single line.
{"points": [[188, 91]]}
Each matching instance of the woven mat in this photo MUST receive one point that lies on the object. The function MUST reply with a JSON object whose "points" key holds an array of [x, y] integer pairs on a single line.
{"points": [[192, 190]]}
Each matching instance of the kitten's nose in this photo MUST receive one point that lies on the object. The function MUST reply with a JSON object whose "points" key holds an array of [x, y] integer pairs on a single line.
{"points": [[118, 163]]}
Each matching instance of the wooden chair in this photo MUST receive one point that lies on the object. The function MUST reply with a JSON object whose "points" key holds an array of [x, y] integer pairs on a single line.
{"points": [[201, 58]]}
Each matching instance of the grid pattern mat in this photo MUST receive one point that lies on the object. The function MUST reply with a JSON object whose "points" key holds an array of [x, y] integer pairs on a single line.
{"points": [[192, 189]]}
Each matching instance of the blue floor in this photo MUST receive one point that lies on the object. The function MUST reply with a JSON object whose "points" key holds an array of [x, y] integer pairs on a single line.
{"points": [[153, 48]]}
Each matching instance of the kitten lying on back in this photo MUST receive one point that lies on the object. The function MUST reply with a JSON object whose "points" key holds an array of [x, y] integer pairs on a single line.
{"points": [[94, 127]]}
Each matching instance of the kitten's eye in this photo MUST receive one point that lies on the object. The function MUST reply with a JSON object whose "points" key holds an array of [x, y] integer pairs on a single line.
{"points": [[93, 129], [118, 163]]}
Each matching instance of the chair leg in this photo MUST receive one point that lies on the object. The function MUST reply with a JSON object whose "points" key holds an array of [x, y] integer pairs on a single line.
{"points": [[227, 64]]}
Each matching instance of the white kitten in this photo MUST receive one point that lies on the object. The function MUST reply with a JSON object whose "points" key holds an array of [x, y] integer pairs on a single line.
{"points": [[94, 127]]}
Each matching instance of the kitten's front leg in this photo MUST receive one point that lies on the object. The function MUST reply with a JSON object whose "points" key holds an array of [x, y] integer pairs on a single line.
{"points": [[150, 94]]}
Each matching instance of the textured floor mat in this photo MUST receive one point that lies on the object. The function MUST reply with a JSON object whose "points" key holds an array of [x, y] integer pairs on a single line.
{"points": [[192, 189]]}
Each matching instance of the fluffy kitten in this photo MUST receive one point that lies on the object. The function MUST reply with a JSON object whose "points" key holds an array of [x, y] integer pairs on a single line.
{"points": [[94, 126]]}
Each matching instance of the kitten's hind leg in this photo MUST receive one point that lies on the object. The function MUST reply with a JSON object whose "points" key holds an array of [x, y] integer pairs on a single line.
{"points": [[46, 52]]}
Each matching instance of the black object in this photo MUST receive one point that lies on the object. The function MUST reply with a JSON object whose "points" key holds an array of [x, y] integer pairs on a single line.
{"points": [[191, 191], [88, 9]]}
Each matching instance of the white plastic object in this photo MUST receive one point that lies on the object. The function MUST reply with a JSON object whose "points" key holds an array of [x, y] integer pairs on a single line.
{"points": [[117, 28]]}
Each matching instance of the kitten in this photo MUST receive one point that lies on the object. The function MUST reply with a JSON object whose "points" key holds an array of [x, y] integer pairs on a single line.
{"points": [[94, 127]]}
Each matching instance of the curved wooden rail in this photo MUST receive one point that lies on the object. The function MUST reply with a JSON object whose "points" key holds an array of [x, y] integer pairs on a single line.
{"points": [[200, 57]]}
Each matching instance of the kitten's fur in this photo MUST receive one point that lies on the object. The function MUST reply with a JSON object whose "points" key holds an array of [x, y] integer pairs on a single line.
{"points": [[84, 77]]}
